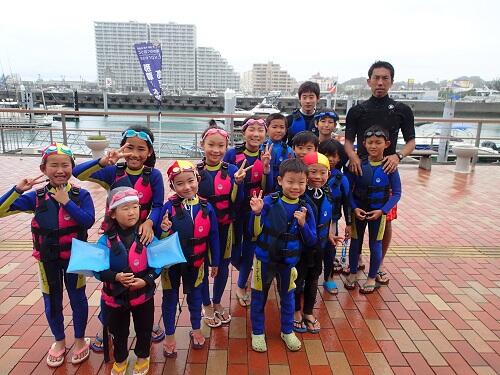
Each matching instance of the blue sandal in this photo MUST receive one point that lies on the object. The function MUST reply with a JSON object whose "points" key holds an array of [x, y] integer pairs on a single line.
{"points": [[299, 326], [331, 287], [97, 345], [157, 333]]}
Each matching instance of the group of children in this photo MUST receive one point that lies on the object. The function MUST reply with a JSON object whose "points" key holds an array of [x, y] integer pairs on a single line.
{"points": [[267, 207]]}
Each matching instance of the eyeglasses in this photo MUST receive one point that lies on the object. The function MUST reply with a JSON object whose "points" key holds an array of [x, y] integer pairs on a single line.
{"points": [[132, 133], [215, 131], [377, 133], [320, 115]]}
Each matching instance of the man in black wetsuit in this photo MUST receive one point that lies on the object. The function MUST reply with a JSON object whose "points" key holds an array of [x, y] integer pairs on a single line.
{"points": [[386, 112]]}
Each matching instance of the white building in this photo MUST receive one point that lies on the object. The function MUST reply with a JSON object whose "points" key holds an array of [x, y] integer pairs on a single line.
{"points": [[270, 77], [213, 71], [325, 83]]}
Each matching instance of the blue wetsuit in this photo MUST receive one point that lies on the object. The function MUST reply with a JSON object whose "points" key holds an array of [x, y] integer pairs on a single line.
{"points": [[371, 191], [281, 152]]}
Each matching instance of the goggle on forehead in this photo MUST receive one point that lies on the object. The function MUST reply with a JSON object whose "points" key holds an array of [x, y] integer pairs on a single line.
{"points": [[332, 115], [58, 149], [377, 133], [141, 135]]}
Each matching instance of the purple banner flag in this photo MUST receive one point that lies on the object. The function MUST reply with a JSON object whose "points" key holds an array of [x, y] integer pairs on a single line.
{"points": [[150, 58]]}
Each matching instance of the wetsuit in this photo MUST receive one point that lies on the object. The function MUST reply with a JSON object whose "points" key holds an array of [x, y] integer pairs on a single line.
{"points": [[374, 190], [224, 196], [280, 241], [281, 152], [297, 122], [196, 223], [53, 227], [255, 180]]}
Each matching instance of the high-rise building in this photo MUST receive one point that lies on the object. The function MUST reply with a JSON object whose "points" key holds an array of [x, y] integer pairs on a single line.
{"points": [[213, 71], [270, 77], [325, 83]]}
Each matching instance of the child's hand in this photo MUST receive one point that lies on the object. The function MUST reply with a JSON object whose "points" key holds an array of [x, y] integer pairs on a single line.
{"points": [[61, 195], [373, 215], [166, 224], [360, 214], [136, 284], [335, 240], [125, 278], [112, 156], [27, 183], [256, 203], [348, 232], [146, 232], [241, 173], [214, 271], [301, 216], [265, 157]]}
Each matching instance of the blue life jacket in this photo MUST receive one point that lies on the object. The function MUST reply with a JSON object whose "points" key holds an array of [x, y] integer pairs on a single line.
{"points": [[372, 189], [323, 216], [337, 191], [298, 124]]}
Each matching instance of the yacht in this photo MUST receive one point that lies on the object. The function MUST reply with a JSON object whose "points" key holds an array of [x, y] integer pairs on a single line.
{"points": [[15, 119]]}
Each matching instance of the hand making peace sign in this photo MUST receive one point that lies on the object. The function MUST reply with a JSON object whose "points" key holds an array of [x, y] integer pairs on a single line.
{"points": [[27, 183], [112, 156], [241, 173], [256, 203], [265, 157]]}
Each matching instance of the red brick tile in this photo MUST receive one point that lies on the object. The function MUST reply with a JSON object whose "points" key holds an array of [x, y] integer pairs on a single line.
{"points": [[21, 325], [355, 318], [388, 318], [354, 353], [195, 369], [237, 351], [233, 369], [402, 370], [493, 360], [398, 310], [23, 368], [366, 340], [443, 370], [276, 351], [392, 353], [330, 341], [456, 321], [298, 362], [29, 337], [429, 310], [258, 364], [458, 364], [422, 320], [361, 370], [467, 351], [343, 329], [418, 364]]}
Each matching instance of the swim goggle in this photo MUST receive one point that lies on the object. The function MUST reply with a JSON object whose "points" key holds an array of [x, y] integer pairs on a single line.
{"points": [[141, 135], [57, 149], [253, 121], [320, 115], [378, 133], [180, 166], [213, 131]]}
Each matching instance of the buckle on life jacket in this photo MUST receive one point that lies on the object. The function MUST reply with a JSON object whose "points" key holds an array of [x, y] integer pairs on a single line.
{"points": [[120, 169], [41, 202], [146, 175]]}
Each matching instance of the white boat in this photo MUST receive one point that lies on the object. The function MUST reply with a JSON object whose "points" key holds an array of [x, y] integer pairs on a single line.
{"points": [[14, 119]]}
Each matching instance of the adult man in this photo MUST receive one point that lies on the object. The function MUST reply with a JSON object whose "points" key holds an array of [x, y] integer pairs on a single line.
{"points": [[389, 114], [303, 118]]}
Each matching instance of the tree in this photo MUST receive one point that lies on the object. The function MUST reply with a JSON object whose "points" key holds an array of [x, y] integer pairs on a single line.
{"points": [[495, 84]]}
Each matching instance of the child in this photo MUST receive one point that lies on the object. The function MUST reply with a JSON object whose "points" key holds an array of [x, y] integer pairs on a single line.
{"points": [[276, 131], [194, 219], [62, 212], [303, 118], [137, 172], [261, 179], [219, 185], [304, 143], [339, 190], [325, 122], [283, 224], [129, 283], [310, 265], [374, 194]]}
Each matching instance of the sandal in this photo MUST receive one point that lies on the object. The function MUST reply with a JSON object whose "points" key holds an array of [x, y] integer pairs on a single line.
{"points": [[259, 343], [350, 285], [346, 270], [196, 344], [141, 369], [157, 334], [292, 341], [243, 300], [337, 267], [210, 320], [169, 350], [223, 316], [98, 345], [299, 326], [331, 287], [75, 359], [58, 355], [381, 279], [119, 370], [368, 288], [313, 324]]}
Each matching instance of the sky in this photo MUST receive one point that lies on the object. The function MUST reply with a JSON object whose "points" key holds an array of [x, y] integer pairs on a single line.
{"points": [[424, 40]]}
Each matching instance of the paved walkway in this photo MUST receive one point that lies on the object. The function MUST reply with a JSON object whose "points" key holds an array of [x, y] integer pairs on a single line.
{"points": [[440, 313]]}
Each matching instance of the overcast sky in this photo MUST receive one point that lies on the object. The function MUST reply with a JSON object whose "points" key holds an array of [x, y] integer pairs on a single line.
{"points": [[425, 39]]}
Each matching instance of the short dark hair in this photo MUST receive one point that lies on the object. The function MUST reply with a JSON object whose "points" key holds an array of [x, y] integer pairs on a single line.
{"points": [[151, 160], [293, 166], [332, 147], [374, 129], [381, 64], [309, 86], [275, 116], [303, 137], [212, 124]]}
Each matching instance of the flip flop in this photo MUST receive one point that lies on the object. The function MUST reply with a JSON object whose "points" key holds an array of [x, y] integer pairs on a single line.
{"points": [[223, 316], [299, 326], [337, 267], [243, 300], [361, 267], [368, 288], [169, 350], [331, 287], [350, 285], [52, 353], [141, 369], [380, 278], [119, 370], [98, 345], [308, 323], [157, 334], [86, 348], [211, 321], [196, 345]]}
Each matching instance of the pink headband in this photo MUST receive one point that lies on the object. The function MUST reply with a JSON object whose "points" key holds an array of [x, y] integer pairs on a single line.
{"points": [[124, 196], [253, 121], [213, 131]]}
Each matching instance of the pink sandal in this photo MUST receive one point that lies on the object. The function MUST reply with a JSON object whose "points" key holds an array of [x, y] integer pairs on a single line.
{"points": [[58, 355], [86, 348]]}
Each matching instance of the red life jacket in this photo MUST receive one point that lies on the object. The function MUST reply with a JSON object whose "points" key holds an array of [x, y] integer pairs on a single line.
{"points": [[193, 234], [114, 294], [217, 190], [254, 183], [53, 228], [142, 185]]}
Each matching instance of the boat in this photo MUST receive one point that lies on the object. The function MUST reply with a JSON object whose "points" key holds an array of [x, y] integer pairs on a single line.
{"points": [[15, 119], [62, 108]]}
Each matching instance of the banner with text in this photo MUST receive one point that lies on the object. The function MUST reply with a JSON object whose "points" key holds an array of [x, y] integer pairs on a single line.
{"points": [[150, 58]]}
